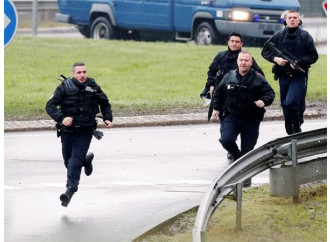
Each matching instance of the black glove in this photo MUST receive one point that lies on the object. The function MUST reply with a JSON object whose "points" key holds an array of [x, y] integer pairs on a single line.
{"points": [[98, 134]]}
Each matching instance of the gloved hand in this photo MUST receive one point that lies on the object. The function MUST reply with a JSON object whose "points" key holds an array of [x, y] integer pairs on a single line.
{"points": [[98, 134]]}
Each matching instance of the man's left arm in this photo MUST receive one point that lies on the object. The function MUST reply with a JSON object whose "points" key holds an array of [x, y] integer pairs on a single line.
{"points": [[105, 107], [311, 55], [267, 92]]}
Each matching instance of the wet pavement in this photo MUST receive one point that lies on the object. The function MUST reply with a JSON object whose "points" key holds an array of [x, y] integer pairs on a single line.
{"points": [[142, 177], [144, 173]]}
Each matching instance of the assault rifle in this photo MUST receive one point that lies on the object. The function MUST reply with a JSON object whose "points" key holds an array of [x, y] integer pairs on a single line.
{"points": [[286, 55]]}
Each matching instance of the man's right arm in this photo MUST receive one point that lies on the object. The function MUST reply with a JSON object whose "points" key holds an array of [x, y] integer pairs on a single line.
{"points": [[212, 79], [52, 106], [220, 97], [211, 74], [266, 52]]}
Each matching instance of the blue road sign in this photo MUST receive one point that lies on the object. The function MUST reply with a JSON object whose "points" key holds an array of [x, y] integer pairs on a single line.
{"points": [[11, 21]]}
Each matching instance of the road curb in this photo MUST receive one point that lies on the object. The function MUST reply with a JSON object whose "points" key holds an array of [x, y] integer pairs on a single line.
{"points": [[151, 120], [164, 224]]}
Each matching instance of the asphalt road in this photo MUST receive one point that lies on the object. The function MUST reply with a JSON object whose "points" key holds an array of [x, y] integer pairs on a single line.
{"points": [[142, 177]]}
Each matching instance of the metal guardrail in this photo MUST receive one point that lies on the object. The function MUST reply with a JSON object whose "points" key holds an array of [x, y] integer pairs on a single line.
{"points": [[43, 5], [269, 155]]}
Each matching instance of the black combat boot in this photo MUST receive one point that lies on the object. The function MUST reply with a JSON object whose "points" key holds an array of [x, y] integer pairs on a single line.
{"points": [[66, 197], [88, 163], [296, 127]]}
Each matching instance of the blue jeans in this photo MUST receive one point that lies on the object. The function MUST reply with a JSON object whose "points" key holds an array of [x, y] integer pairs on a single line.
{"points": [[293, 93], [231, 127], [75, 144]]}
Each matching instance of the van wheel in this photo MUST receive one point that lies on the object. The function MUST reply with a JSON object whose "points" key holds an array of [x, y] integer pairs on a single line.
{"points": [[205, 34], [102, 29]]}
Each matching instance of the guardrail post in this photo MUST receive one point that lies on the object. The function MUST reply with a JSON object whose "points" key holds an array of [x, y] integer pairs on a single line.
{"points": [[283, 181], [237, 196], [35, 17], [294, 164], [239, 193]]}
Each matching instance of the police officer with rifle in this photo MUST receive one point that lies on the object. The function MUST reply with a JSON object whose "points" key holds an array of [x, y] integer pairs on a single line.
{"points": [[292, 51], [74, 106], [239, 102]]}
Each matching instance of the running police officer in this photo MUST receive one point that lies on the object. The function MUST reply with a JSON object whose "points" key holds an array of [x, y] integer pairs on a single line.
{"points": [[293, 81], [224, 62], [74, 106], [239, 102]]}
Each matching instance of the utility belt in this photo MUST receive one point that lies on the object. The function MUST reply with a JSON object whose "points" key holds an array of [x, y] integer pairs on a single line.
{"points": [[80, 123], [75, 129], [83, 120], [246, 113], [281, 72], [72, 129]]}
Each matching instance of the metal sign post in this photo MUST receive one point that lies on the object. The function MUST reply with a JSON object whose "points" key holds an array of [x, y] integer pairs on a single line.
{"points": [[35, 17]]}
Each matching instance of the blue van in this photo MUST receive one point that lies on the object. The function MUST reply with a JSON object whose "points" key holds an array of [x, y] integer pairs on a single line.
{"points": [[204, 21]]}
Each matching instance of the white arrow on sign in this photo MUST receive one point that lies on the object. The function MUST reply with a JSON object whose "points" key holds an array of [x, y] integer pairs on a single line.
{"points": [[7, 21]]}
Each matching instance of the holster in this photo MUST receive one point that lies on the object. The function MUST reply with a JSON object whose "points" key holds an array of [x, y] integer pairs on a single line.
{"points": [[275, 71], [58, 129]]}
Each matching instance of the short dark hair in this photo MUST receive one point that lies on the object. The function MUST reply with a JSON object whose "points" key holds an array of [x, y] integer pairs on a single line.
{"points": [[236, 34], [77, 64], [294, 11]]}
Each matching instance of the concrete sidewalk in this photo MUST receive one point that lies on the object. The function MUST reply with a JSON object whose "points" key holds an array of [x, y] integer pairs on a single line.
{"points": [[314, 110]]}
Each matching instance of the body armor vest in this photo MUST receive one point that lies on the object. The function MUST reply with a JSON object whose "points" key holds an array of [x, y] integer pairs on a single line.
{"points": [[79, 101], [241, 96]]}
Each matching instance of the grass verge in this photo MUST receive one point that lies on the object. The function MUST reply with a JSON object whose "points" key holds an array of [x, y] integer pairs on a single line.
{"points": [[264, 218], [139, 77]]}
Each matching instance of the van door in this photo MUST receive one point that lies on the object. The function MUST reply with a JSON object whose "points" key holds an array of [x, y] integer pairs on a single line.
{"points": [[144, 14], [158, 14], [81, 10], [128, 13], [184, 11]]}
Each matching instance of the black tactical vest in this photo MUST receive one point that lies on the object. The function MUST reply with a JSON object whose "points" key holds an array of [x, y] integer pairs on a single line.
{"points": [[79, 101], [240, 98]]}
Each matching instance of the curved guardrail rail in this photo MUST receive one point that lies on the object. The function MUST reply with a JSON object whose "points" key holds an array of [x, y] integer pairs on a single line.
{"points": [[271, 154]]}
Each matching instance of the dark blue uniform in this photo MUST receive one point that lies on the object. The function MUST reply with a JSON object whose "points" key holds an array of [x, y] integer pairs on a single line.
{"points": [[81, 101], [293, 83], [234, 99]]}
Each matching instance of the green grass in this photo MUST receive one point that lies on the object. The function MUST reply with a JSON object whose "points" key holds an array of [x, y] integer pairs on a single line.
{"points": [[138, 77], [264, 218], [45, 23]]}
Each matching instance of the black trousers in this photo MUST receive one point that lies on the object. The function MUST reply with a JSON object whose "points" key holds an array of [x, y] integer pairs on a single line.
{"points": [[231, 127], [75, 144], [293, 93]]}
